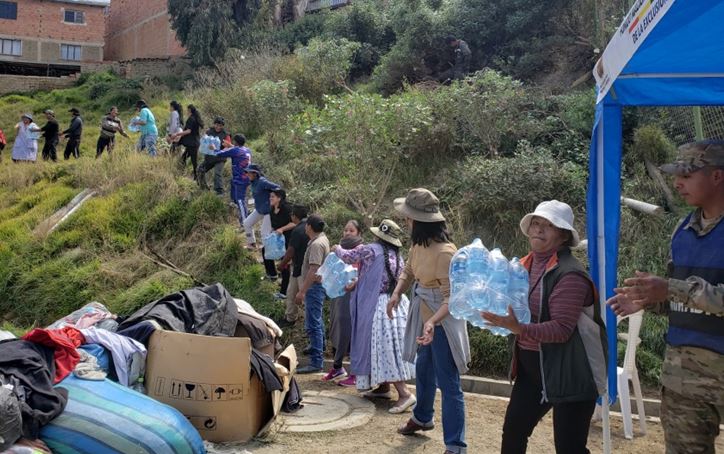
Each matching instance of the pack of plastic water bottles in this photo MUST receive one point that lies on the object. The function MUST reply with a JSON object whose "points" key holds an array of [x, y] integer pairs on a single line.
{"points": [[336, 275], [132, 126], [274, 246], [482, 280], [210, 144], [34, 135]]}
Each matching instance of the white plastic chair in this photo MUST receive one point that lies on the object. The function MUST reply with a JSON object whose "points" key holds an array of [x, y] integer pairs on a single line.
{"points": [[629, 373]]}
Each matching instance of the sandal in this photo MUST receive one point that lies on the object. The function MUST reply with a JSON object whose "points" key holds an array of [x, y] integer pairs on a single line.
{"points": [[401, 407]]}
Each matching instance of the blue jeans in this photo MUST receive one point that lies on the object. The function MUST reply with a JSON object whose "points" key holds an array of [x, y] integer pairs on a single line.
{"points": [[314, 325], [435, 368], [147, 142]]}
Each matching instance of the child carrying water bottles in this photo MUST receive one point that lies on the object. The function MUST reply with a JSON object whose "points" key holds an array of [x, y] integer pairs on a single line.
{"points": [[340, 329]]}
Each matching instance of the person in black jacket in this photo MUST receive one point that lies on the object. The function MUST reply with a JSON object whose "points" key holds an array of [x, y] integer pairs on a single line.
{"points": [[73, 134], [50, 134], [190, 138]]}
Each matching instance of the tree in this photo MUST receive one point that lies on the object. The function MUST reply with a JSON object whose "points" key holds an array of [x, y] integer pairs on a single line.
{"points": [[207, 28]]}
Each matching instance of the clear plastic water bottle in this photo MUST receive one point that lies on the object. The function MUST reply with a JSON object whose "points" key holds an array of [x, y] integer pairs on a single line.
{"points": [[458, 304], [519, 290], [274, 246], [479, 260], [336, 275], [498, 283], [132, 126], [210, 144]]}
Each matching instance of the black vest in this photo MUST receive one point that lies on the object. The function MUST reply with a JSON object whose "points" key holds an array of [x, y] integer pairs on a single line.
{"points": [[565, 367]]}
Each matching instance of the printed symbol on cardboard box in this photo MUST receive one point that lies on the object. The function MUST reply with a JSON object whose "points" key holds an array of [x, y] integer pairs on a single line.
{"points": [[176, 389], [203, 392], [210, 423], [219, 393], [188, 391], [160, 386], [235, 392], [203, 422]]}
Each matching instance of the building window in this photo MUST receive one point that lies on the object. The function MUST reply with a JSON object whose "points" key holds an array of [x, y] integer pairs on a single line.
{"points": [[74, 17], [69, 52], [8, 10], [11, 47]]}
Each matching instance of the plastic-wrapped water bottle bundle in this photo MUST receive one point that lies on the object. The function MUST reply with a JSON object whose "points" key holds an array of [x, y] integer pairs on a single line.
{"points": [[336, 275], [482, 280], [274, 246], [207, 142], [132, 126]]}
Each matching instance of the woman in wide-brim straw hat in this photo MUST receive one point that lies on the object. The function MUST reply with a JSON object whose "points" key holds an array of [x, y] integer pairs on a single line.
{"points": [[376, 343], [437, 342], [561, 354]]}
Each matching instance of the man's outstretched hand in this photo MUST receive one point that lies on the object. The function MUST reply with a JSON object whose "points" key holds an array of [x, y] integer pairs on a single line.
{"points": [[639, 292]]}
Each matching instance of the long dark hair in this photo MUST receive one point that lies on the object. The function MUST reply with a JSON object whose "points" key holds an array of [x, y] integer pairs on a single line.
{"points": [[197, 116], [425, 232], [391, 277], [282, 194], [177, 107]]}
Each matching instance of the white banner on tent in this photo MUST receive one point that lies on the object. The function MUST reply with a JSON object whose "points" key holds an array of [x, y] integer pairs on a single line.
{"points": [[643, 16]]}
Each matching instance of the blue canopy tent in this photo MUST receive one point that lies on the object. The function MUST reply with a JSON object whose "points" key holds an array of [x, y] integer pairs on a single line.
{"points": [[665, 53]]}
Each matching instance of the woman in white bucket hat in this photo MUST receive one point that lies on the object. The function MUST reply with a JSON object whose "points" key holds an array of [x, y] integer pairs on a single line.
{"points": [[559, 359]]}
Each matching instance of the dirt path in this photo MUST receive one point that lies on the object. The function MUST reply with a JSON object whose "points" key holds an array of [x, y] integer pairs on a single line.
{"points": [[484, 423]]}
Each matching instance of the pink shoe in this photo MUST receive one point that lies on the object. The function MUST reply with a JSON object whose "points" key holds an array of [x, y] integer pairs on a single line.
{"points": [[334, 373], [349, 381]]}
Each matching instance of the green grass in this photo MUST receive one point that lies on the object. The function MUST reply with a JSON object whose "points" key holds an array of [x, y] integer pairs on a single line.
{"points": [[101, 252]]}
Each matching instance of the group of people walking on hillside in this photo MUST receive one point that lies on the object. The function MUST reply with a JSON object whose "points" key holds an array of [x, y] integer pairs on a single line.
{"points": [[28, 133]]}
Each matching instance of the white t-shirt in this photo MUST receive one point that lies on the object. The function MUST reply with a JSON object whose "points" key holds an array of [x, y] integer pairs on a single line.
{"points": [[174, 125]]}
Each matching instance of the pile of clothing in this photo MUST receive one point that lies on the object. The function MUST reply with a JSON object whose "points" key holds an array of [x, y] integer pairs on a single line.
{"points": [[91, 362]]}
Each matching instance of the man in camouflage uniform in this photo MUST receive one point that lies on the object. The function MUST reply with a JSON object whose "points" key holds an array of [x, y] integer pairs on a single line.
{"points": [[463, 57], [692, 401]]}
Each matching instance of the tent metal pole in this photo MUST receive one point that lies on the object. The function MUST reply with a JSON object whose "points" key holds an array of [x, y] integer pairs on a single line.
{"points": [[601, 239]]}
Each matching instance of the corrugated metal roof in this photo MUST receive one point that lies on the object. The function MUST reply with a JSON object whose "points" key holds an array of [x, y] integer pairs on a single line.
{"points": [[86, 2]]}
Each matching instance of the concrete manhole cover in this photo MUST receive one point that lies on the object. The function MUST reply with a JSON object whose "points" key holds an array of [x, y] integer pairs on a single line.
{"points": [[325, 410]]}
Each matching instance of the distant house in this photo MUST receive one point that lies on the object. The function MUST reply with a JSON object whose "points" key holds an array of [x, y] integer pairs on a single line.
{"points": [[138, 29], [50, 37]]}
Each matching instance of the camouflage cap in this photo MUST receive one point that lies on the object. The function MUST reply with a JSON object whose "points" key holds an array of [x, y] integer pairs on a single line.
{"points": [[696, 155]]}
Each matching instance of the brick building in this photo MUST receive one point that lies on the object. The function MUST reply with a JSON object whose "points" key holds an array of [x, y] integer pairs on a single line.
{"points": [[50, 37], [140, 29]]}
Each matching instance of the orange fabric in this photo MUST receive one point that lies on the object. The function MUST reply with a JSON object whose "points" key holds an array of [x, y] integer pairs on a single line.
{"points": [[527, 261]]}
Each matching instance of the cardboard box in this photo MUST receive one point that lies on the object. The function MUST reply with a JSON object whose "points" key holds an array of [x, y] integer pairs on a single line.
{"points": [[208, 379], [242, 332]]}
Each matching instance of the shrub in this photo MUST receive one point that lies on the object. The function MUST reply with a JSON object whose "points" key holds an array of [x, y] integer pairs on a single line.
{"points": [[650, 143], [490, 353], [492, 195], [358, 146], [323, 67], [415, 50]]}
